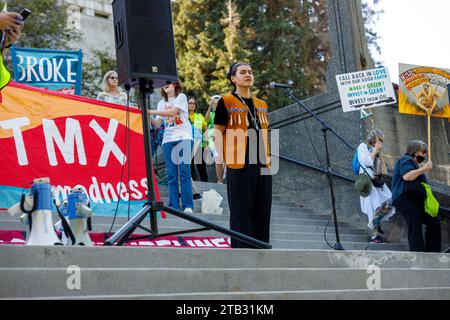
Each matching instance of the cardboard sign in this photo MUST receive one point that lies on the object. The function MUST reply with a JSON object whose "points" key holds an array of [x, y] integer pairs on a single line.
{"points": [[365, 89]]}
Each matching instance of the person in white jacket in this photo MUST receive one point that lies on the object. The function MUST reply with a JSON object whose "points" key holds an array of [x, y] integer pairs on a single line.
{"points": [[378, 204]]}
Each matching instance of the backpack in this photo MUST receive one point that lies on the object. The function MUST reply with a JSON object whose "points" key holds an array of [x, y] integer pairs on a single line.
{"points": [[355, 163]]}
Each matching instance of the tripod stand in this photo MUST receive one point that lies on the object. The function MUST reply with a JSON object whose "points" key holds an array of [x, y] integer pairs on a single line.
{"points": [[151, 207], [325, 129]]}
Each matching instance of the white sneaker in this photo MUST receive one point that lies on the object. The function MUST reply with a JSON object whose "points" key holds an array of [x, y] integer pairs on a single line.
{"points": [[188, 210]]}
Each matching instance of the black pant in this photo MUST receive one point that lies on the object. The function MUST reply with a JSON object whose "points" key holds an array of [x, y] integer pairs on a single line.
{"points": [[201, 168], [414, 212], [250, 201]]}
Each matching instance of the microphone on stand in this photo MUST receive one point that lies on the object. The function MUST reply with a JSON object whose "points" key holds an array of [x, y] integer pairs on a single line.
{"points": [[275, 85]]}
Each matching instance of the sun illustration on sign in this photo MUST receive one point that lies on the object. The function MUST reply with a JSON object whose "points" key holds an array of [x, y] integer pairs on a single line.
{"points": [[427, 100], [423, 91]]}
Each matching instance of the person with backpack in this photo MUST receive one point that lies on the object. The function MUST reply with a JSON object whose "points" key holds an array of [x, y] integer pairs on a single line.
{"points": [[376, 198]]}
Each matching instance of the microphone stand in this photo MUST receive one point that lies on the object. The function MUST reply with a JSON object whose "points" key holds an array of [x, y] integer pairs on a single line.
{"points": [[325, 128], [152, 206]]}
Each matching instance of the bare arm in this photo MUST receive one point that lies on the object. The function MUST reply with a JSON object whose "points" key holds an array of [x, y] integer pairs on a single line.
{"points": [[173, 112], [413, 174], [208, 114]]}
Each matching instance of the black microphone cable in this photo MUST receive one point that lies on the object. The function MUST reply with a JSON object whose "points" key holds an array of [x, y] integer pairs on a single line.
{"points": [[321, 165], [126, 142]]}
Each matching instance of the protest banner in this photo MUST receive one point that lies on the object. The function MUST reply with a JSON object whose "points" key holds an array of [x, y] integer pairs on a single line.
{"points": [[55, 70], [75, 141]]}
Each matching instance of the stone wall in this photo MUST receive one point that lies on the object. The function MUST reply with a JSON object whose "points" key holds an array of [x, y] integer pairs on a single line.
{"points": [[301, 137]]}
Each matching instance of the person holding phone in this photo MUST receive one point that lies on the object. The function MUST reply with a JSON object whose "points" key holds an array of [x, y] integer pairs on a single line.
{"points": [[376, 204], [11, 24]]}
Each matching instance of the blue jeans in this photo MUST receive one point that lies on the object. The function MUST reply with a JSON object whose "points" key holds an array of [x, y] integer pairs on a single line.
{"points": [[177, 156]]}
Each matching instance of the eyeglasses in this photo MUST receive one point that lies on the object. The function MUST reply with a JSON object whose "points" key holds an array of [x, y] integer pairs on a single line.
{"points": [[192, 103], [113, 78]]}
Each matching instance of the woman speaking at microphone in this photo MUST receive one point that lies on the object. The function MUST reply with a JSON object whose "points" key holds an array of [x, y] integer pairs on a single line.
{"points": [[241, 139]]}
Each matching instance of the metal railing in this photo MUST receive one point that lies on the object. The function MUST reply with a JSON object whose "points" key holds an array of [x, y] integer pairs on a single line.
{"points": [[444, 210]]}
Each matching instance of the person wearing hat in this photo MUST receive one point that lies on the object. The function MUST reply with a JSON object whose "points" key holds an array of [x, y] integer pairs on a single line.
{"points": [[376, 202]]}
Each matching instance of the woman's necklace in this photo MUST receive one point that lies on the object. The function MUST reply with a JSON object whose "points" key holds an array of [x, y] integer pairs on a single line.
{"points": [[254, 121]]}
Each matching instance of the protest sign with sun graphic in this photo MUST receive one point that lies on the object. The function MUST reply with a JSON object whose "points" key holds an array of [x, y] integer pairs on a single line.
{"points": [[424, 92]]}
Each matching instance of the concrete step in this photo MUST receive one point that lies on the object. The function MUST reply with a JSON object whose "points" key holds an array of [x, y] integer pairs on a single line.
{"points": [[20, 256], [183, 225], [42, 282], [203, 186], [322, 245], [275, 198], [367, 294], [288, 238], [174, 221], [298, 214], [276, 206]]}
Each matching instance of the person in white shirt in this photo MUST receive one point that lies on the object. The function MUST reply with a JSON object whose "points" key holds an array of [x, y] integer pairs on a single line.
{"points": [[177, 139], [378, 204]]}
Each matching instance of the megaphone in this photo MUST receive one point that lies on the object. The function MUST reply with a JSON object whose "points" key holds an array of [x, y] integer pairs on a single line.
{"points": [[79, 215], [37, 205]]}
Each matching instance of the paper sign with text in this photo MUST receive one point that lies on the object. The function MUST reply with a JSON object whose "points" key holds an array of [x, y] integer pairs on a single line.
{"points": [[365, 89]]}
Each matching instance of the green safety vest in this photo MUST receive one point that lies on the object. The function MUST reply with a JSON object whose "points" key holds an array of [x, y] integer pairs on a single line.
{"points": [[198, 120], [4, 74]]}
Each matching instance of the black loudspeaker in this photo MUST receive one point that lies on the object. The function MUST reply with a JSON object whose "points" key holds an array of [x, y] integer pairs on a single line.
{"points": [[145, 46]]}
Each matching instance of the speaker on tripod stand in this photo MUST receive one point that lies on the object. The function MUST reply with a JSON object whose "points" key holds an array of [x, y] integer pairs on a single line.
{"points": [[145, 52]]}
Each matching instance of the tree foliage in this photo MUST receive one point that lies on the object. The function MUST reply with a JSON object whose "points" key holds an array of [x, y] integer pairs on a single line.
{"points": [[94, 70], [371, 14], [282, 40], [46, 26]]}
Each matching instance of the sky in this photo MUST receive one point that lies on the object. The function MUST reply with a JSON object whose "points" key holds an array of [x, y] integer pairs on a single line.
{"points": [[414, 32]]}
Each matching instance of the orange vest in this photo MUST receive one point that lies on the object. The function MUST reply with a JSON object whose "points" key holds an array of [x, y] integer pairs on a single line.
{"points": [[236, 134]]}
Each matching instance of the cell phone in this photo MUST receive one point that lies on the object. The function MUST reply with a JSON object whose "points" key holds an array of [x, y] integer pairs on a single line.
{"points": [[24, 12]]}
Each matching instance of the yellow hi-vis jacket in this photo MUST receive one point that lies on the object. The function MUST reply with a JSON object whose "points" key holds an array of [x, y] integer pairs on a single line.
{"points": [[4, 74]]}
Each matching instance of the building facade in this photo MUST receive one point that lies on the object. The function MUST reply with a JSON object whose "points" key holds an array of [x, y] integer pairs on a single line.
{"points": [[93, 18]]}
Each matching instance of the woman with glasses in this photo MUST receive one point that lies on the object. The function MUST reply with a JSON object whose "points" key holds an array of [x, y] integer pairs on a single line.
{"points": [[177, 140], [199, 128], [112, 93], [377, 205]]}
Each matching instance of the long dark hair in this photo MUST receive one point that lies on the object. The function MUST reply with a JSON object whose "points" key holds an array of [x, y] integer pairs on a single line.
{"points": [[178, 89]]}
